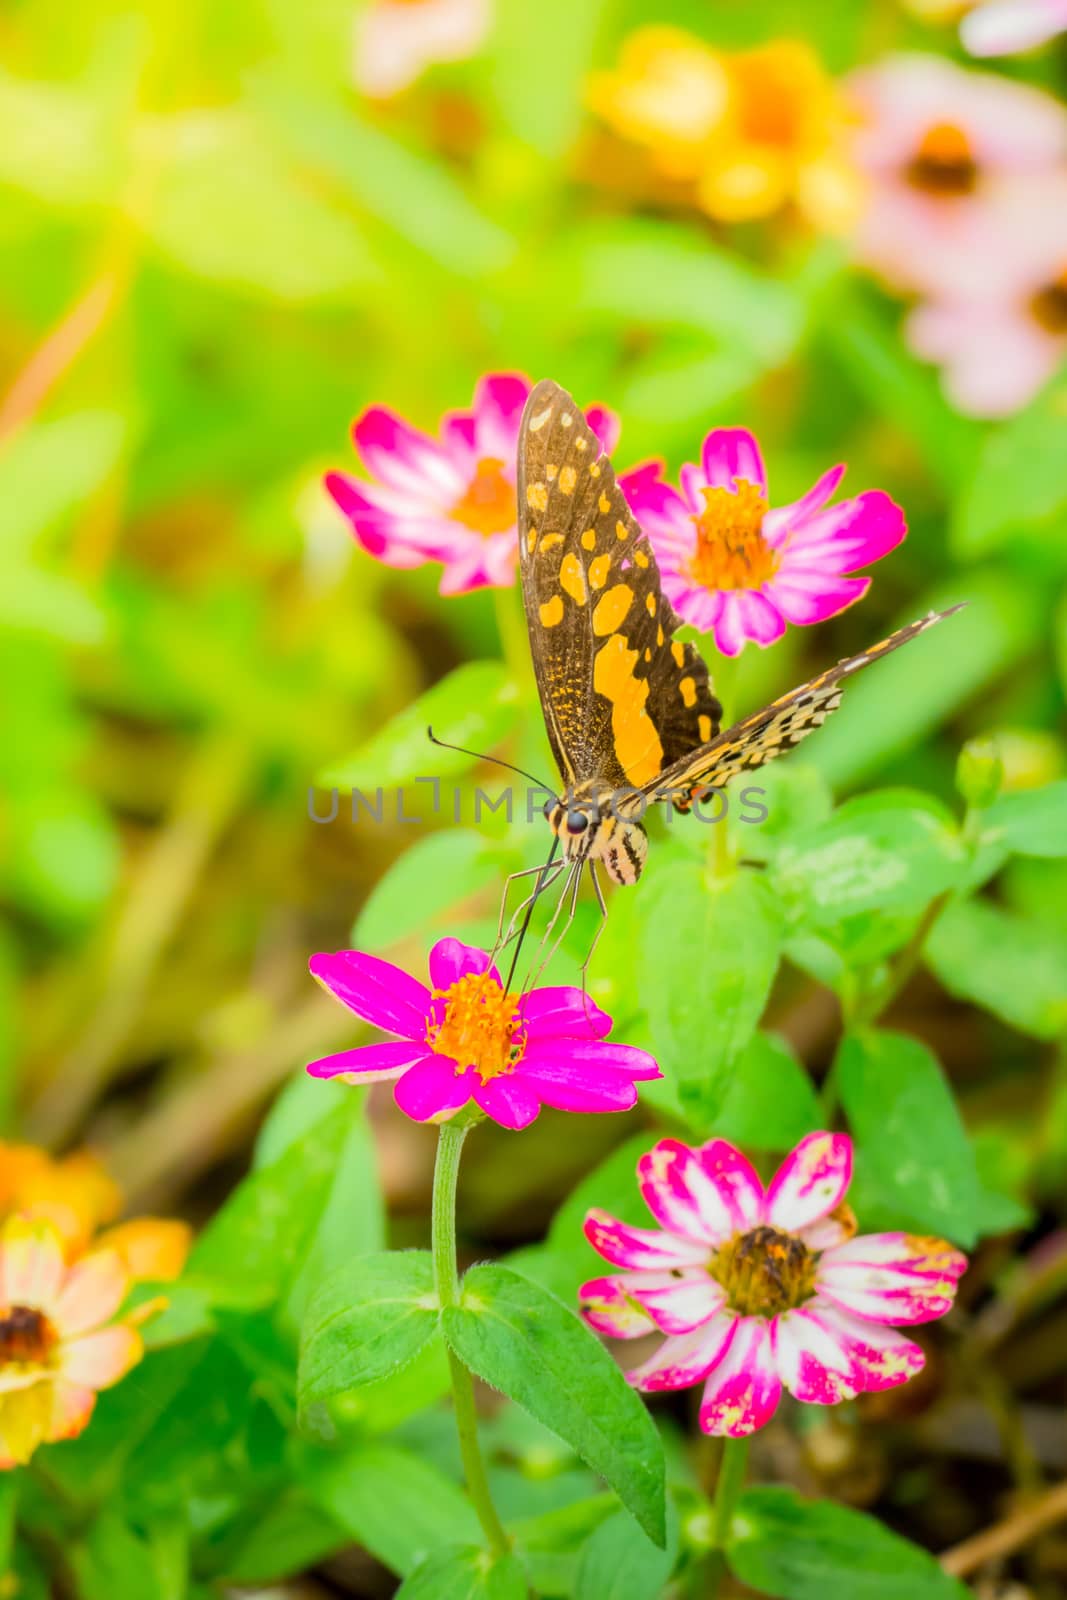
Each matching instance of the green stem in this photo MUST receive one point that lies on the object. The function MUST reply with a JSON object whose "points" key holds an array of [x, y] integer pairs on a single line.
{"points": [[446, 1277], [730, 1482], [511, 626]]}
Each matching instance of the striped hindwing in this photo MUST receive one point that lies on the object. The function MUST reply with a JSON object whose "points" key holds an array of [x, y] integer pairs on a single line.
{"points": [[622, 699], [765, 734]]}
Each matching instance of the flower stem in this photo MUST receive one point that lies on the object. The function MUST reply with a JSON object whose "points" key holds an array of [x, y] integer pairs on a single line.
{"points": [[511, 626], [446, 1278], [731, 1478]]}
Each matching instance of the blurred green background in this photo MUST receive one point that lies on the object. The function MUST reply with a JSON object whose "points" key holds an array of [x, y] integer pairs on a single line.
{"points": [[215, 252]]}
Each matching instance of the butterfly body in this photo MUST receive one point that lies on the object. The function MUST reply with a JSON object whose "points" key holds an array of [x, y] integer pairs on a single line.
{"points": [[629, 710]]}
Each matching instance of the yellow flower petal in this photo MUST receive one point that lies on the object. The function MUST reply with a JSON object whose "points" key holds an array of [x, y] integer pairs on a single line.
{"points": [[72, 1406], [25, 1420], [31, 1264], [670, 94], [150, 1247], [748, 182]]}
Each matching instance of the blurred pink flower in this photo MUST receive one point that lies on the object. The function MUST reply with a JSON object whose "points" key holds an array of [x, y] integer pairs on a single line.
{"points": [[466, 1039], [1004, 27], [937, 142], [999, 329], [450, 499], [730, 564], [759, 1289], [396, 40]]}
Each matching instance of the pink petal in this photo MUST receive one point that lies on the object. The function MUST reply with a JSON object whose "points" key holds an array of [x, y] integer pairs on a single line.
{"points": [[730, 454], [569, 1012], [779, 520], [804, 597], [93, 1291], [685, 1360], [642, 1249], [561, 1060], [892, 1277], [32, 1268], [656, 504], [433, 1088], [580, 1089], [451, 960], [375, 990], [477, 568], [100, 1359], [606, 1306], [743, 1391], [509, 1101], [372, 1063], [848, 536], [825, 1356], [760, 619], [810, 1182], [678, 1301], [403, 458], [730, 634], [1005, 27], [707, 1193], [498, 402], [827, 1232], [692, 479], [605, 424], [701, 608], [399, 535], [72, 1406]]}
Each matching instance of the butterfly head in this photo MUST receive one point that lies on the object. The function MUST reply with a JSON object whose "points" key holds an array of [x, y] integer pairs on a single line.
{"points": [[591, 829]]}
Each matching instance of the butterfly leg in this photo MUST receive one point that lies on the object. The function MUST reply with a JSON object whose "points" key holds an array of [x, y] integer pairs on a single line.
{"points": [[602, 903], [568, 898], [545, 881]]}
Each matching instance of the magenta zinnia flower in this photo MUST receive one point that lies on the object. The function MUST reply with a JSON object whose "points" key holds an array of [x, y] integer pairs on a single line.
{"points": [[450, 499], [466, 1039], [759, 1289], [730, 564]]}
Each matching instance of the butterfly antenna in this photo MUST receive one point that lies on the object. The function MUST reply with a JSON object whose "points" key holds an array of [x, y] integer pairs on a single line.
{"points": [[481, 756], [541, 882]]}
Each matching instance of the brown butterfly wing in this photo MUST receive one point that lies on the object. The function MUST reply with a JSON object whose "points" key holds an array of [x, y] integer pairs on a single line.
{"points": [[779, 727], [622, 699]]}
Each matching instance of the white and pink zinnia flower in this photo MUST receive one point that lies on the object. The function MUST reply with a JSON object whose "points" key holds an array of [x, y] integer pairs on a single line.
{"points": [[58, 1343], [1005, 27], [763, 1289], [450, 499], [466, 1039], [396, 40], [730, 564], [937, 143]]}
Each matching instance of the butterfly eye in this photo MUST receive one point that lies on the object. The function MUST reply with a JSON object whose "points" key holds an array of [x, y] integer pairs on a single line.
{"points": [[577, 822]]}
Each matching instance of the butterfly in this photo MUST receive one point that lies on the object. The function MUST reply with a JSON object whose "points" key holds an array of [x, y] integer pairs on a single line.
{"points": [[628, 709]]}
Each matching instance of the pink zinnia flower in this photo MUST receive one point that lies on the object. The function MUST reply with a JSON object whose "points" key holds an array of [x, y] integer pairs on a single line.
{"points": [[730, 564], [999, 330], [58, 1343], [936, 142], [1004, 27], [465, 1039], [759, 1289], [396, 40], [450, 499]]}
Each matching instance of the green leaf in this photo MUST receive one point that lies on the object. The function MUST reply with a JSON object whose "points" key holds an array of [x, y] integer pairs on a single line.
{"points": [[800, 1549], [877, 852], [52, 468], [896, 703], [1013, 967], [476, 705], [288, 1538], [710, 951], [113, 1559], [620, 1563], [1018, 481], [465, 1574], [367, 1320], [537, 73], [422, 886], [1032, 822], [770, 1103], [402, 188], [262, 1235], [908, 1132], [393, 1502], [526, 1343]]}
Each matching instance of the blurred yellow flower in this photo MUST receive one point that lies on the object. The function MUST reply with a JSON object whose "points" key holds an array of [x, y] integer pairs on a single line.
{"points": [[58, 1342], [77, 1196], [750, 131]]}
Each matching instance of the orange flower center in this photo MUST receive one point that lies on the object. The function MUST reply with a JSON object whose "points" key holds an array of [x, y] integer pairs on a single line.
{"points": [[1049, 306], [480, 1027], [944, 163], [764, 1272], [772, 102], [26, 1336], [731, 552], [489, 504]]}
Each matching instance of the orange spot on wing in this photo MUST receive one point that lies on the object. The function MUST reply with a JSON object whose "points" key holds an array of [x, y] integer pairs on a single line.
{"points": [[572, 578], [637, 744], [552, 611]]}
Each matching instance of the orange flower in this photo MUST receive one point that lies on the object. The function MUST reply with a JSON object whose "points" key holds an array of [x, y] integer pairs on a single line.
{"points": [[751, 131], [58, 1343], [77, 1196]]}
